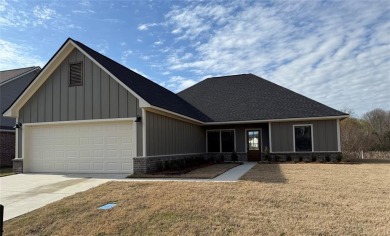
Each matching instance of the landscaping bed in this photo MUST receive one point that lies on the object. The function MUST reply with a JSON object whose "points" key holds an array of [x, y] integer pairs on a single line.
{"points": [[6, 172], [206, 171]]}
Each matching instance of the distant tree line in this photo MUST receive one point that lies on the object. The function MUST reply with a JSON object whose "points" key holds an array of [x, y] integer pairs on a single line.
{"points": [[371, 132]]}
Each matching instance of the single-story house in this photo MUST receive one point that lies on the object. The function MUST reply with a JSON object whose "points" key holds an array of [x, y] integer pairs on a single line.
{"points": [[85, 113], [12, 84]]}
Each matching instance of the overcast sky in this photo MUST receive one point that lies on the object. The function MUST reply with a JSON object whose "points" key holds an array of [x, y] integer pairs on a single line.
{"points": [[335, 52]]}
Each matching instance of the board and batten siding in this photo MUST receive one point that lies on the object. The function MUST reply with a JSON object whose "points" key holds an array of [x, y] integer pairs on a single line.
{"points": [[100, 97], [324, 135], [166, 136]]}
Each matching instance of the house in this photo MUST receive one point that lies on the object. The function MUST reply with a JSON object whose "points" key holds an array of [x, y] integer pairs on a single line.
{"points": [[85, 113], [12, 84]]}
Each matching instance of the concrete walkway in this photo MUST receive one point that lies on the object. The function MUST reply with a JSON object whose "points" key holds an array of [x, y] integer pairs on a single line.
{"points": [[23, 193], [235, 173]]}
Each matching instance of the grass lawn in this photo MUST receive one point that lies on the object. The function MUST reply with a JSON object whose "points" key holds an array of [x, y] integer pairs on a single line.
{"points": [[6, 171], [208, 172], [273, 199]]}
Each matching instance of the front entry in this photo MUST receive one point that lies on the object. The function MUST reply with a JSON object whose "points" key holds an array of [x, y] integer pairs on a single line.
{"points": [[253, 139]]}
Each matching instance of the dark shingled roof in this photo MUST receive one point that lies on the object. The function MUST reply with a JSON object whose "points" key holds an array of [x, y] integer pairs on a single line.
{"points": [[9, 74], [249, 97], [12, 88], [151, 92]]}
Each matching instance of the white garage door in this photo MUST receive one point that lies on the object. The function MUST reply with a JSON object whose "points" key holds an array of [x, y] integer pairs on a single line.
{"points": [[99, 147]]}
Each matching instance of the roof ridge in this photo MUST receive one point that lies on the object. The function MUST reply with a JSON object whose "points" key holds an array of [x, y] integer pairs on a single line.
{"points": [[32, 67]]}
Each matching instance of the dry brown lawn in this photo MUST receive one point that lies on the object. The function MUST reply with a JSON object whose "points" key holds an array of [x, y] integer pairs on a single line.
{"points": [[274, 199], [208, 172]]}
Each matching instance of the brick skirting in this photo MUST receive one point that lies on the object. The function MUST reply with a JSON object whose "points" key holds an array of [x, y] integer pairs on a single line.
{"points": [[17, 166], [7, 148], [306, 156], [143, 165]]}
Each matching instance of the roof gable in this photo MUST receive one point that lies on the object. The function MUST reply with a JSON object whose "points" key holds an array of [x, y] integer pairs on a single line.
{"points": [[249, 97], [149, 93]]}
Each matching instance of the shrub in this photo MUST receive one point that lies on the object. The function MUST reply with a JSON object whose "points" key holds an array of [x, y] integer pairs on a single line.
{"points": [[313, 158], [182, 163], [266, 153], [288, 158], [277, 158], [327, 158], [221, 158], [175, 164], [211, 159], [234, 157], [339, 157], [167, 165], [159, 166], [199, 160]]}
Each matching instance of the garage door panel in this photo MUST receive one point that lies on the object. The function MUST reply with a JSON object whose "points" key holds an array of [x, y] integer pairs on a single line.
{"points": [[104, 147]]}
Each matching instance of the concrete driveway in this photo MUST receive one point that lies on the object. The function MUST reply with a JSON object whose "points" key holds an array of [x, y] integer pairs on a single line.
{"points": [[23, 193]]}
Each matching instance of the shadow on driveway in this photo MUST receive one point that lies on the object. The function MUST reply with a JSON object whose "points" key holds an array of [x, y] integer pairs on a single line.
{"points": [[266, 173]]}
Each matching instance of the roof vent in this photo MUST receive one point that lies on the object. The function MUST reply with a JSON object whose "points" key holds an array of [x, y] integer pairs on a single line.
{"points": [[76, 74]]}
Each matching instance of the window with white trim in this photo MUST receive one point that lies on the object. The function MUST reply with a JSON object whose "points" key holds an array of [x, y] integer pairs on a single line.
{"points": [[220, 141], [303, 138]]}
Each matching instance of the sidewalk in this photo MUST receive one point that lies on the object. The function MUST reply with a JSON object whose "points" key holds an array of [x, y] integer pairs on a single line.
{"points": [[235, 173]]}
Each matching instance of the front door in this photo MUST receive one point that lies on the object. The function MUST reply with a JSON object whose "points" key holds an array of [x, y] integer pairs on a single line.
{"points": [[253, 138]]}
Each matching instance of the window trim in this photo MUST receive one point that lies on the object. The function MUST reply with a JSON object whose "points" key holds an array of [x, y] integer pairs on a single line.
{"points": [[261, 139], [82, 74], [311, 133], [220, 139]]}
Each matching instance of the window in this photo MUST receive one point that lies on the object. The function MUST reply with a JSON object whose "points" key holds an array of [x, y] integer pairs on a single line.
{"points": [[253, 140], [213, 141], [227, 138], [220, 141], [76, 74], [303, 138]]}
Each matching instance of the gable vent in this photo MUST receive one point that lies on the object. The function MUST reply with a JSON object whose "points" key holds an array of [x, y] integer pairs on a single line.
{"points": [[76, 74]]}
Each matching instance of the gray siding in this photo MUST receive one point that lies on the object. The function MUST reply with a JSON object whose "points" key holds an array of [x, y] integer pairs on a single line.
{"points": [[165, 135], [324, 135], [100, 97]]}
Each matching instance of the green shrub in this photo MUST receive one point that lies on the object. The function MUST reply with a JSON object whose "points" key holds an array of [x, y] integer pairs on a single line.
{"points": [[200, 160], [266, 153], [327, 158], [234, 156], [339, 157], [159, 166], [175, 165], [300, 159], [314, 158], [167, 165], [288, 158], [277, 158]]}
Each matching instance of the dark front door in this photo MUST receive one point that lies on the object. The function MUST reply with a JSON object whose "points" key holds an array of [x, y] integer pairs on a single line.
{"points": [[253, 139]]}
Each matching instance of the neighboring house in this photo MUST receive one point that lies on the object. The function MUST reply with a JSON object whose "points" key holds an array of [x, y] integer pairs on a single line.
{"points": [[12, 84], [85, 113]]}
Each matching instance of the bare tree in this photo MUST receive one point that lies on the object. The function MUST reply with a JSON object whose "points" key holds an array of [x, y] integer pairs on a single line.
{"points": [[379, 123]]}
